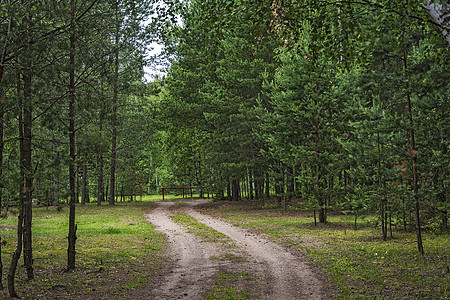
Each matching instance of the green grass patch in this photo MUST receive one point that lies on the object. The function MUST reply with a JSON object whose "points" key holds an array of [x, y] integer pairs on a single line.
{"points": [[207, 233], [357, 261], [230, 286], [115, 244], [229, 257]]}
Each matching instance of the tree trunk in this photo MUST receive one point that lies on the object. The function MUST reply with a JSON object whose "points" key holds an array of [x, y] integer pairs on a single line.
{"points": [[1, 178], [100, 194], [112, 178], [413, 155], [289, 185], [56, 195], [380, 189], [440, 12], [2, 112], [16, 255], [250, 185], [320, 185], [84, 187], [72, 99], [235, 190], [28, 171], [279, 190]]}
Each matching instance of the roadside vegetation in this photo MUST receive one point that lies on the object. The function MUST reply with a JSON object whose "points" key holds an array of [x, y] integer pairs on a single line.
{"points": [[117, 251], [206, 233], [358, 262]]}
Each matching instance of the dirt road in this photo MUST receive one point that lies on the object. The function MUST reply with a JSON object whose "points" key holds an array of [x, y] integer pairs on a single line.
{"points": [[194, 265]]}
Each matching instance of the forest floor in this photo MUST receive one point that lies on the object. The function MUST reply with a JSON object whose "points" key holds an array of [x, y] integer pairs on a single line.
{"points": [[224, 250], [221, 261]]}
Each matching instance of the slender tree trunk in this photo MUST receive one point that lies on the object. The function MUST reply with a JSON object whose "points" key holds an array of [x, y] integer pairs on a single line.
{"points": [[1, 266], [289, 185], [1, 176], [250, 184], [2, 113], [18, 251], [235, 189], [320, 185], [100, 188], [267, 185], [84, 181], [413, 155], [72, 99], [112, 178], [28, 171], [16, 255], [56, 192], [380, 189]]}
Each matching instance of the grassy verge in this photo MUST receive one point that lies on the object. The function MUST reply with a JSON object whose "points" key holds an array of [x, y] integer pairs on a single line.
{"points": [[117, 250], [358, 261], [205, 232]]}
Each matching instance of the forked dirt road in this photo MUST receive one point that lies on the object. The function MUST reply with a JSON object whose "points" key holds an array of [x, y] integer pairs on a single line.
{"points": [[194, 265]]}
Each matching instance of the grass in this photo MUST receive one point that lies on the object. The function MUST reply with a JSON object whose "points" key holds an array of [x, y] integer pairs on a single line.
{"points": [[359, 263], [207, 233], [115, 244], [229, 286]]}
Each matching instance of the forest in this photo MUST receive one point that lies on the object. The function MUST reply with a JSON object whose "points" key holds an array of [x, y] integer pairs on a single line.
{"points": [[331, 107]]}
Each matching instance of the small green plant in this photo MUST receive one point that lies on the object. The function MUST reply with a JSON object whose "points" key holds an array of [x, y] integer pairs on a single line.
{"points": [[111, 230], [270, 206]]}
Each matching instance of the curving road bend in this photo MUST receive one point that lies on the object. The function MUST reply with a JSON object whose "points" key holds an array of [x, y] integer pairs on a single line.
{"points": [[288, 276]]}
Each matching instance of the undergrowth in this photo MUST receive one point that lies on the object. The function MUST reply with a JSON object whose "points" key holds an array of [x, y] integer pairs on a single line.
{"points": [[358, 262], [114, 244]]}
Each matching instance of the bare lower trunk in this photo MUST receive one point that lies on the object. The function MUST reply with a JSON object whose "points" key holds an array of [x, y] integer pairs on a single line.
{"points": [[28, 173], [112, 178], [84, 186], [1, 149], [72, 227], [100, 195], [16, 255], [235, 190], [413, 155]]}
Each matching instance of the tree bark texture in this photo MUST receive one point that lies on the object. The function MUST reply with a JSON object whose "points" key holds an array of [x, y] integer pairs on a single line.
{"points": [[112, 178], [100, 194], [440, 13], [72, 99], [28, 170], [16, 255], [84, 183], [413, 155], [2, 112]]}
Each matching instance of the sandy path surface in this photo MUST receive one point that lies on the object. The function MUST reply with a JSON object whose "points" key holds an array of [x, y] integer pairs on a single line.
{"points": [[279, 274]]}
